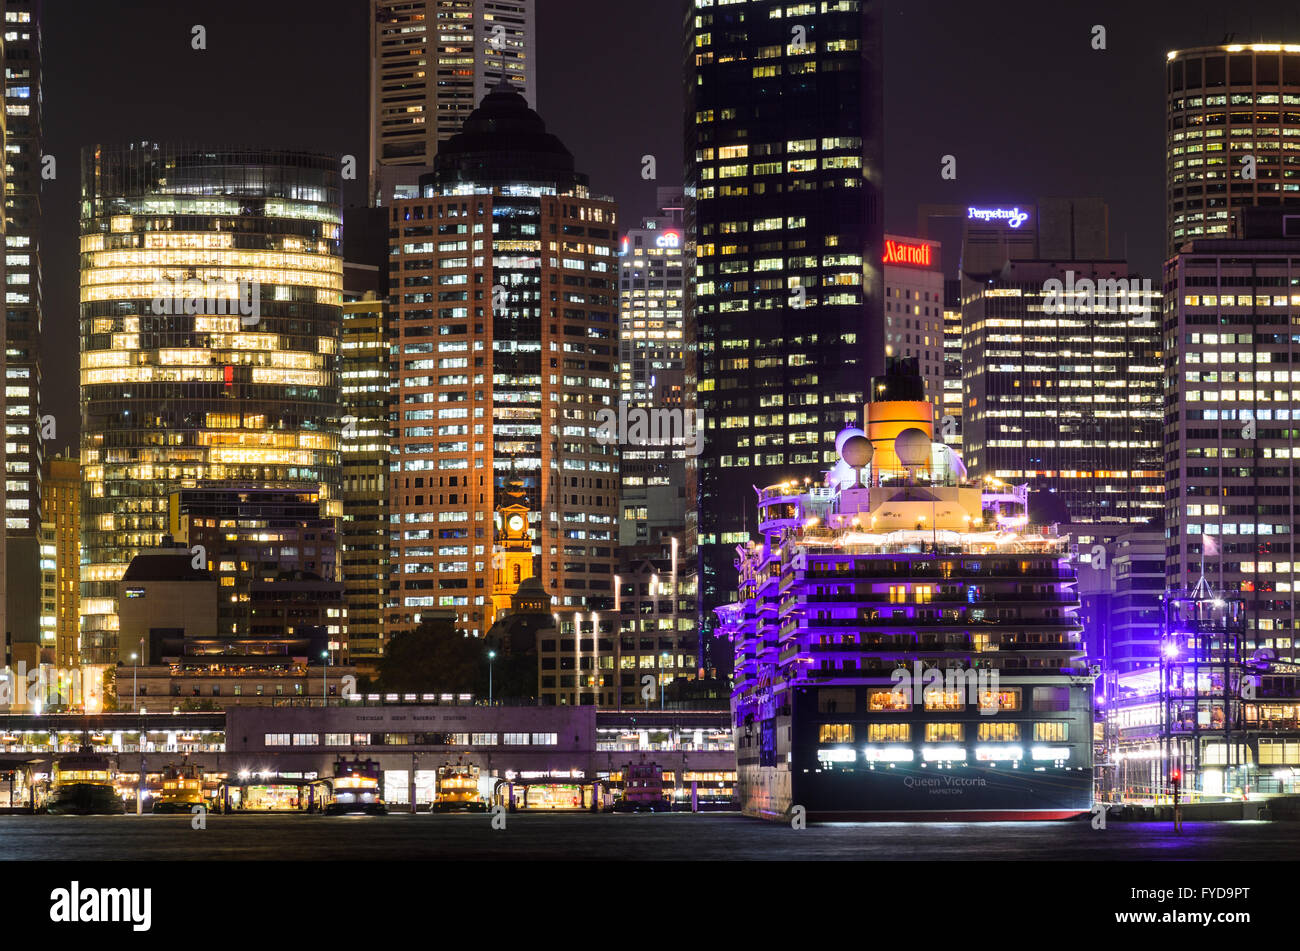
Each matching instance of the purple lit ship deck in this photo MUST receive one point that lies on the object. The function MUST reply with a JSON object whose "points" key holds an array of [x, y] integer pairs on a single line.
{"points": [[905, 643]]}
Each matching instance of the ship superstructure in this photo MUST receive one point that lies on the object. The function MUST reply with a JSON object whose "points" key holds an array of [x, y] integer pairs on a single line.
{"points": [[905, 640]]}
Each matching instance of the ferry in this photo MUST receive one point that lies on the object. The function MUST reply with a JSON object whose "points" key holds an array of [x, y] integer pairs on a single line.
{"points": [[357, 789], [643, 789], [83, 786], [458, 789], [182, 790]]}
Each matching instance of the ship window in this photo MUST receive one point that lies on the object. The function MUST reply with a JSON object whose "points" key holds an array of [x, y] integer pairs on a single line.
{"points": [[944, 700], [835, 700], [889, 733], [943, 732], [999, 732], [878, 700], [1007, 698], [835, 733], [1051, 699], [1052, 731]]}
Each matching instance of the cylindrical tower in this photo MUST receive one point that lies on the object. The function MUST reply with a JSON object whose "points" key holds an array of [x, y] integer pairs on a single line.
{"points": [[211, 292], [1226, 104]]}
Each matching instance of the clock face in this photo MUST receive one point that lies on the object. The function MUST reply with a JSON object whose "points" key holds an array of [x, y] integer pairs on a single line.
{"points": [[516, 523]]}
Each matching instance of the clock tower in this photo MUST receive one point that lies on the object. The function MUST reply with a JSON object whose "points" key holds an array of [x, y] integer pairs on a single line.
{"points": [[512, 551]]}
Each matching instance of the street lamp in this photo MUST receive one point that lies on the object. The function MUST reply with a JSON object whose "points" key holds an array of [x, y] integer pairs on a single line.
{"points": [[135, 665], [324, 667], [491, 656]]}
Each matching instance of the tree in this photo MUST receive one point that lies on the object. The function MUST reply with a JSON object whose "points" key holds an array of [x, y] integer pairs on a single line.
{"points": [[434, 658]]}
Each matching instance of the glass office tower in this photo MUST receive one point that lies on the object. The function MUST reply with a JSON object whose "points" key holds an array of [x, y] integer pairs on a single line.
{"points": [[783, 177], [211, 287]]}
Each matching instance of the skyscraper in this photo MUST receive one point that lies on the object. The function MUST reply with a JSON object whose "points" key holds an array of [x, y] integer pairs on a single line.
{"points": [[658, 492], [1233, 114], [22, 285], [61, 513], [914, 315], [1232, 402], [504, 312], [1062, 382], [431, 62], [211, 286], [783, 178]]}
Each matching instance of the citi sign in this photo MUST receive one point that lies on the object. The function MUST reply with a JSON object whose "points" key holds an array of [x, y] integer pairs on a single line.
{"points": [[897, 252]]}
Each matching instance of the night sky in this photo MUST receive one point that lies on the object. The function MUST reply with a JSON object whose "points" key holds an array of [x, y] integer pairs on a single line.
{"points": [[1012, 89]]}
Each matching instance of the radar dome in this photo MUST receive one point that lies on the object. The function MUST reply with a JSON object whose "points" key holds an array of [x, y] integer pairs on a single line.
{"points": [[857, 451], [844, 436], [913, 447]]}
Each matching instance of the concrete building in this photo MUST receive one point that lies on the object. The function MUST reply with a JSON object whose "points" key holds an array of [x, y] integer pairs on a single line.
{"points": [[1230, 412], [504, 316], [61, 514], [1121, 583], [249, 536], [431, 62], [1232, 121], [1061, 364], [914, 310], [657, 374], [364, 394], [990, 234]]}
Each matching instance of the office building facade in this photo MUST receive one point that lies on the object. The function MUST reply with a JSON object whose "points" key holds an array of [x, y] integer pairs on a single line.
{"points": [[211, 288], [1062, 382], [61, 515], [1232, 401], [783, 177], [431, 63], [23, 311], [656, 374], [505, 319], [914, 310], [1232, 136]]}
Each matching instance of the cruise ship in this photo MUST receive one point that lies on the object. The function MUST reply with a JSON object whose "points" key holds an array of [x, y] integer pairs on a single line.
{"points": [[905, 640]]}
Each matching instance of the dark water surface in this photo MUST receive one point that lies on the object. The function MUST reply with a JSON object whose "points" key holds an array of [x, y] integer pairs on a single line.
{"points": [[631, 837]]}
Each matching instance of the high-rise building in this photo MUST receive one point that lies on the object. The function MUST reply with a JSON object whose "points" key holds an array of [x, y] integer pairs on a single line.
{"points": [[1121, 585], [250, 535], [504, 321], [364, 394], [22, 285], [914, 317], [658, 477], [61, 514], [1062, 381], [783, 174], [431, 63], [950, 419], [1232, 118], [1232, 402], [211, 287]]}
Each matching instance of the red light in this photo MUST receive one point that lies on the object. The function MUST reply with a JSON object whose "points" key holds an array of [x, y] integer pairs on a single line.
{"points": [[898, 252], [1177, 775], [229, 375]]}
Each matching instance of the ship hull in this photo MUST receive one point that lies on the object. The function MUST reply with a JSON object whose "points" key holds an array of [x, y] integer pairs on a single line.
{"points": [[85, 799], [956, 794]]}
